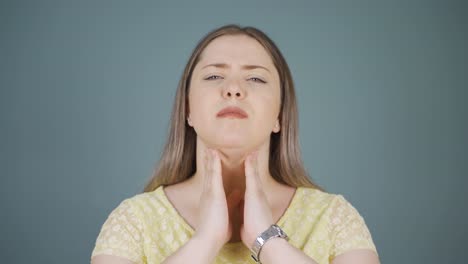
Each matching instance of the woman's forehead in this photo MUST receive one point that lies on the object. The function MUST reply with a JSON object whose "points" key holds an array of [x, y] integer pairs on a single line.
{"points": [[238, 49]]}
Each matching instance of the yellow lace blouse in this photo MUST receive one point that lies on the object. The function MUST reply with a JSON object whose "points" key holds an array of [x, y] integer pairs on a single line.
{"points": [[146, 228]]}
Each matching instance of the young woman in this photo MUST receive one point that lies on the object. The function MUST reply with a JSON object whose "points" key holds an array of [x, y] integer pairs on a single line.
{"points": [[231, 186]]}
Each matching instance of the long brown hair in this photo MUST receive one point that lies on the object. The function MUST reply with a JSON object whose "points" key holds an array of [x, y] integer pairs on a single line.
{"points": [[178, 160]]}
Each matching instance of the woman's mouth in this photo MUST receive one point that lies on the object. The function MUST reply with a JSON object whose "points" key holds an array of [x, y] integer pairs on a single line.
{"points": [[232, 112]]}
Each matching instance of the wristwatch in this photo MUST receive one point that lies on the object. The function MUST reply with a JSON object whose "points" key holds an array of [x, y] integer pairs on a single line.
{"points": [[271, 232]]}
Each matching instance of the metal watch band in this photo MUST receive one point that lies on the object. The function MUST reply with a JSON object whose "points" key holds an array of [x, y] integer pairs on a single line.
{"points": [[271, 232]]}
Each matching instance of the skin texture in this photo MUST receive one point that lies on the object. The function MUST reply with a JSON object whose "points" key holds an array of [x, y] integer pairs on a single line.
{"points": [[232, 196]]}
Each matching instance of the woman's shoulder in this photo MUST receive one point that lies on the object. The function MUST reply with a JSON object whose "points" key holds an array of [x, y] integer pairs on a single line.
{"points": [[147, 203], [312, 200], [334, 204], [315, 197], [125, 228]]}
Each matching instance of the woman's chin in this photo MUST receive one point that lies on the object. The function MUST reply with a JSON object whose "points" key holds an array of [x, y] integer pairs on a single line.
{"points": [[231, 144], [231, 141]]}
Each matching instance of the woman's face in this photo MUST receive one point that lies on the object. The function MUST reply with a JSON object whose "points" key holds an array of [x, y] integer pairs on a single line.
{"points": [[234, 70]]}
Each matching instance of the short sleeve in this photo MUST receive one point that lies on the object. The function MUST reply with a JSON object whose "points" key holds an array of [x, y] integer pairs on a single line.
{"points": [[348, 229], [121, 234]]}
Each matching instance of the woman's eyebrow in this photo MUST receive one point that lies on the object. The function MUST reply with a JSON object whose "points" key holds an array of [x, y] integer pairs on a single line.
{"points": [[225, 66]]}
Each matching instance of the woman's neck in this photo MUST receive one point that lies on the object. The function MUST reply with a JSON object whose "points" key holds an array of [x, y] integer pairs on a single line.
{"points": [[233, 167]]}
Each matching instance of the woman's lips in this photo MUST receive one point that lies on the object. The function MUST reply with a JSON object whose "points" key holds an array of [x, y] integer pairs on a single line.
{"points": [[232, 111], [233, 115]]}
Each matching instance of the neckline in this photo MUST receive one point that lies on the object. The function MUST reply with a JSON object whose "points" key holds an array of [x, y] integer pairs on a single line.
{"points": [[191, 230]]}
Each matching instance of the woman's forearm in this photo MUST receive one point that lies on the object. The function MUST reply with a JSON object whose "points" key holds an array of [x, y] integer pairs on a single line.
{"points": [[196, 250], [278, 250]]}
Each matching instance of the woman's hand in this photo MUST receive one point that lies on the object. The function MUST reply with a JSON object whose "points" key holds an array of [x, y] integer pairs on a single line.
{"points": [[257, 213], [213, 216], [213, 222]]}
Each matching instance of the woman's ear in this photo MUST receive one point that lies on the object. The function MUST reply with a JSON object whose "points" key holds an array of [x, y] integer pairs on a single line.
{"points": [[189, 121], [277, 126]]}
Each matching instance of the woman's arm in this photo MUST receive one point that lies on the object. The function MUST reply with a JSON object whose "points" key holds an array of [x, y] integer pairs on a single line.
{"points": [[214, 226], [357, 256], [280, 251], [108, 259], [196, 250]]}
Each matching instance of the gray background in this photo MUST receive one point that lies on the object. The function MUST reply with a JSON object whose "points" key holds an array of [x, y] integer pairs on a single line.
{"points": [[87, 89]]}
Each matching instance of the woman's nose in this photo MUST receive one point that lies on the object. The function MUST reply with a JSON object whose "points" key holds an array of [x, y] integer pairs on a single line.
{"points": [[233, 89]]}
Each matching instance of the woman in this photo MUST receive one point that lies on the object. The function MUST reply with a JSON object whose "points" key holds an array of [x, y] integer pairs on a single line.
{"points": [[231, 169]]}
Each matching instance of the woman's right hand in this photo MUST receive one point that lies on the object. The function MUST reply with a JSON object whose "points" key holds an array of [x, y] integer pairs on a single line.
{"points": [[213, 223]]}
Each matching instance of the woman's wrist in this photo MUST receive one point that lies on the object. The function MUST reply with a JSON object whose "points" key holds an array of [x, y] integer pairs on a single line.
{"points": [[196, 250], [271, 246], [208, 243]]}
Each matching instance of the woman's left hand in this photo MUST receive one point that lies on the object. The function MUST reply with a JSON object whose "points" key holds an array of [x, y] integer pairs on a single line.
{"points": [[257, 213]]}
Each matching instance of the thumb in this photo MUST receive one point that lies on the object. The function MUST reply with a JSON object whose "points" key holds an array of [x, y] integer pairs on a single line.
{"points": [[217, 178], [251, 172]]}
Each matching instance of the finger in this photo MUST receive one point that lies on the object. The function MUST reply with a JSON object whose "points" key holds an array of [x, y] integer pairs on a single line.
{"points": [[248, 172], [251, 172], [208, 170], [217, 178]]}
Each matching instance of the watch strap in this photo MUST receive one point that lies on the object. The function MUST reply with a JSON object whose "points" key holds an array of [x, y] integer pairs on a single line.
{"points": [[272, 232]]}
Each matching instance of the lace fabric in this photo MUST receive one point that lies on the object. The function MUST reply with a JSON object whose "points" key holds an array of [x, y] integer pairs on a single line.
{"points": [[147, 229], [347, 228], [121, 234]]}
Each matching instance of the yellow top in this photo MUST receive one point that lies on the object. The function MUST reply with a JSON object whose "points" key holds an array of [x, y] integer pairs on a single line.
{"points": [[146, 228]]}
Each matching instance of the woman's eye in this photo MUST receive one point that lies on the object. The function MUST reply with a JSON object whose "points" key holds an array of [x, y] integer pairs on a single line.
{"points": [[255, 79], [213, 77]]}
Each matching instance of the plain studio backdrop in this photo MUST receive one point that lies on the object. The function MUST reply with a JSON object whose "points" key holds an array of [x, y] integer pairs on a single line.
{"points": [[87, 88]]}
